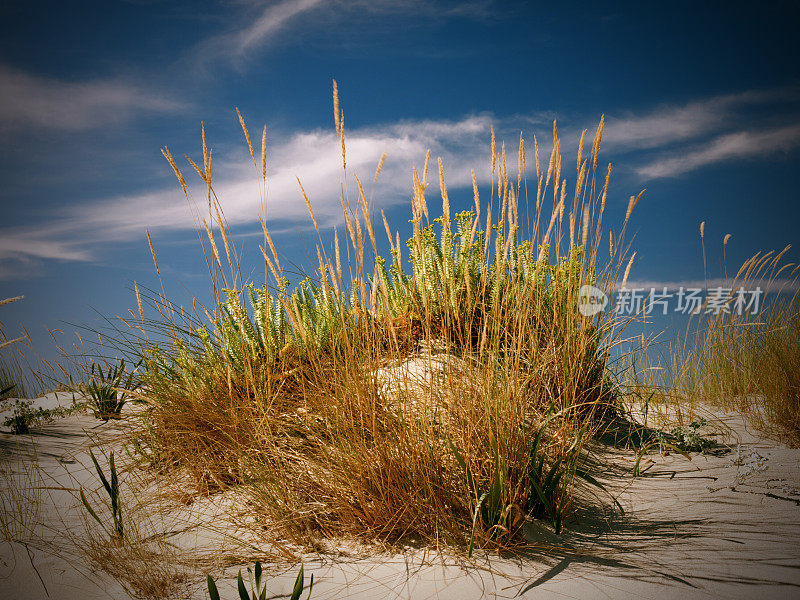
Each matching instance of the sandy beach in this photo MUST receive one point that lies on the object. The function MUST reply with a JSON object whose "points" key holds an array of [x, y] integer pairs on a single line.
{"points": [[723, 525]]}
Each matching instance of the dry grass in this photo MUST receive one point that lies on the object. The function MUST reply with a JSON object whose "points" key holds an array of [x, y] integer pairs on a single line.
{"points": [[751, 362], [12, 360], [20, 498], [20, 481], [297, 401], [145, 569], [134, 545]]}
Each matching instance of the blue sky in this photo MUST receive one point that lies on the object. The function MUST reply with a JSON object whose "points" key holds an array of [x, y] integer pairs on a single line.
{"points": [[702, 106]]}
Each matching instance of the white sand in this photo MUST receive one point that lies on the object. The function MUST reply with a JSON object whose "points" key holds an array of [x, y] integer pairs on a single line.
{"points": [[717, 527]]}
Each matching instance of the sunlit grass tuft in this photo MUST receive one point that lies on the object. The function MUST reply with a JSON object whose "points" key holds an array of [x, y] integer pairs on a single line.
{"points": [[443, 396], [749, 360]]}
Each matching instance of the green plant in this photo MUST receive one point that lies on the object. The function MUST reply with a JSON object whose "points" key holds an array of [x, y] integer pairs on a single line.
{"points": [[24, 416], [547, 495], [19, 423], [488, 504], [689, 439], [108, 388], [660, 443], [551, 488], [681, 440], [258, 587], [116, 533]]}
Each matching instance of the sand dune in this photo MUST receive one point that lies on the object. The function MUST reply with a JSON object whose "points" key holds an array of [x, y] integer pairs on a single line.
{"points": [[724, 525]]}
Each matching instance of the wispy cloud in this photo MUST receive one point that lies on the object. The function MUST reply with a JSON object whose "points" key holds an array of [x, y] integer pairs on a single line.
{"points": [[28, 100], [256, 29], [699, 138], [54, 240], [314, 157], [743, 144], [678, 139], [668, 124], [239, 40]]}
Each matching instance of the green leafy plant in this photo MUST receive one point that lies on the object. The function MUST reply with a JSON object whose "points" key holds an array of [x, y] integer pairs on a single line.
{"points": [[107, 389], [681, 440], [660, 443], [258, 587], [689, 438], [489, 504], [22, 418], [544, 497], [550, 487], [24, 415], [116, 532]]}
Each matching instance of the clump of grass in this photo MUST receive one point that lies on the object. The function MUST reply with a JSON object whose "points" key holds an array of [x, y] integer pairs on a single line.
{"points": [[145, 570], [750, 361], [111, 485], [146, 566], [285, 392], [108, 389]]}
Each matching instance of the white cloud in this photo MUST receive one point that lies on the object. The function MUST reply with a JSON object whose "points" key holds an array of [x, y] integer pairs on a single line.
{"points": [[672, 140], [743, 144], [256, 29], [668, 124], [314, 157], [28, 100], [272, 19]]}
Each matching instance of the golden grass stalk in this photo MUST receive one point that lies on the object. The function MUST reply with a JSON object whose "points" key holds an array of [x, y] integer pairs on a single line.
{"points": [[152, 251], [379, 167]]}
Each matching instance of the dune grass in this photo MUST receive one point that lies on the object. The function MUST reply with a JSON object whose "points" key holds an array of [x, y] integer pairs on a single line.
{"points": [[12, 378], [749, 360], [443, 400]]}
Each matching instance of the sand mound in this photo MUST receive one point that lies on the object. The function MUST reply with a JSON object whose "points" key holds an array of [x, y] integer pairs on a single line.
{"points": [[722, 525]]}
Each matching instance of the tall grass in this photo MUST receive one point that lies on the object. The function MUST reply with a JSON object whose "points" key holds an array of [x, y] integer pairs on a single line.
{"points": [[749, 361], [444, 398], [12, 374]]}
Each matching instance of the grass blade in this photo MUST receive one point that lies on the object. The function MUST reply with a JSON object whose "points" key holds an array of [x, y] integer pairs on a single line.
{"points": [[243, 595], [212, 588]]}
